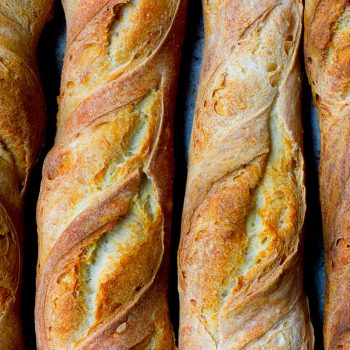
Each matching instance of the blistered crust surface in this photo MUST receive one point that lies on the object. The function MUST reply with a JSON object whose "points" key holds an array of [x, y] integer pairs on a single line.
{"points": [[105, 201], [327, 60], [240, 275]]}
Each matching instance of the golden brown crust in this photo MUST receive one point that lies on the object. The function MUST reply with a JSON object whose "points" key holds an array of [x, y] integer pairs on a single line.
{"points": [[327, 60], [22, 115], [240, 268], [105, 201]]}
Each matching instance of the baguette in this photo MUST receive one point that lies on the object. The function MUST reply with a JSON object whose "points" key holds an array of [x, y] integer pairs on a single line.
{"points": [[22, 117], [327, 60], [106, 194], [240, 262]]}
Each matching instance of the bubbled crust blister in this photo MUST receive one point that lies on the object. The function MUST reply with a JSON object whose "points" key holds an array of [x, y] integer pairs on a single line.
{"points": [[22, 116], [240, 266], [105, 201], [327, 60]]}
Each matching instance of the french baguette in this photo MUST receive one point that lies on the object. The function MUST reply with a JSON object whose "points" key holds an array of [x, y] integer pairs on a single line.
{"points": [[240, 262], [22, 117], [327, 60], [106, 194]]}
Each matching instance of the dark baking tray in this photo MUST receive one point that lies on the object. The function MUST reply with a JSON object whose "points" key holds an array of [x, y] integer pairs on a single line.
{"points": [[50, 56]]}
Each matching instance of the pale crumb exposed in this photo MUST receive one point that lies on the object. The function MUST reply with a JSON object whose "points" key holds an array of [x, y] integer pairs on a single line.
{"points": [[122, 328]]}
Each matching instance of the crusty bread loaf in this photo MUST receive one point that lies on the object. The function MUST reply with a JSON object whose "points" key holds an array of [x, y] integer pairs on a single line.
{"points": [[327, 59], [240, 263], [22, 116], [105, 203]]}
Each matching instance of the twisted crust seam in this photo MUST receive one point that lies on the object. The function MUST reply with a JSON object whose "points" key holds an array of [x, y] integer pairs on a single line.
{"points": [[105, 203], [240, 276]]}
